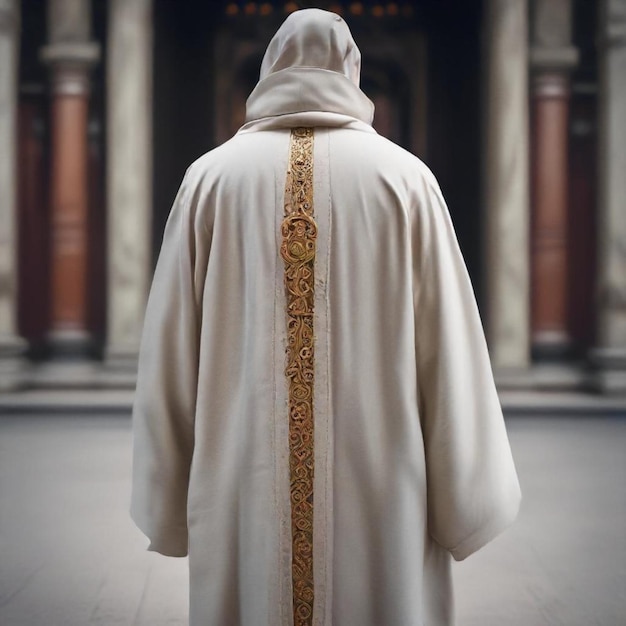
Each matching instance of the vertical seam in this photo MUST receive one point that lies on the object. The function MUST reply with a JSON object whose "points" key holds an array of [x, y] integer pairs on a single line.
{"points": [[329, 441]]}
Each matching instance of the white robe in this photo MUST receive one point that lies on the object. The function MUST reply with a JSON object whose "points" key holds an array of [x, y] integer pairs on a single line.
{"points": [[412, 461]]}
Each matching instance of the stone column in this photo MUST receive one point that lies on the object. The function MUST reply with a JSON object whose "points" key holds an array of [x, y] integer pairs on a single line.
{"points": [[11, 345], [70, 56], [551, 58], [609, 357], [129, 174], [506, 183]]}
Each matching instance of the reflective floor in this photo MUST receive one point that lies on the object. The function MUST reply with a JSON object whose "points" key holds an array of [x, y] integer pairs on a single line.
{"points": [[69, 555]]}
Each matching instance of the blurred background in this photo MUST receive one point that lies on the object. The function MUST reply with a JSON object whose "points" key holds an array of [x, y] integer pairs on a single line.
{"points": [[518, 107]]}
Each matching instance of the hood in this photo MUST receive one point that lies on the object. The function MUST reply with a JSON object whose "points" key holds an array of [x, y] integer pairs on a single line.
{"points": [[313, 38], [312, 65]]}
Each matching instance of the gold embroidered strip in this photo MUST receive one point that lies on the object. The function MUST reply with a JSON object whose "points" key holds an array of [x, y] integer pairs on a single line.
{"points": [[299, 234]]}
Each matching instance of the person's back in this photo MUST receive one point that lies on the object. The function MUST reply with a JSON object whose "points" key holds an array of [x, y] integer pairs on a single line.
{"points": [[316, 422]]}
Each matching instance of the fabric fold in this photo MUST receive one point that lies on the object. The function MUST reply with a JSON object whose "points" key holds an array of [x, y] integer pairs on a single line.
{"points": [[298, 89]]}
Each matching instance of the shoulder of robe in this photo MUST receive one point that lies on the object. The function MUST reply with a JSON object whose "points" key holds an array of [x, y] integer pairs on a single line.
{"points": [[237, 155], [203, 173], [211, 160], [415, 172]]}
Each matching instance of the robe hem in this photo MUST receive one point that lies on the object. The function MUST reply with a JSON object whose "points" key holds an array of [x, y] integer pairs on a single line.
{"points": [[484, 535], [170, 541]]}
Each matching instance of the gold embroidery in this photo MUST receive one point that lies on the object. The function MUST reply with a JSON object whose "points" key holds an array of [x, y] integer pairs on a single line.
{"points": [[299, 233]]}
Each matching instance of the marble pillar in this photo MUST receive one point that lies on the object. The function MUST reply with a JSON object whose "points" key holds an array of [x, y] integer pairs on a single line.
{"points": [[129, 175], [506, 184], [11, 345], [70, 56], [609, 357], [552, 58]]}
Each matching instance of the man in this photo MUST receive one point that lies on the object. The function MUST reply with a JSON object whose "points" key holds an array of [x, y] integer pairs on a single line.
{"points": [[316, 422]]}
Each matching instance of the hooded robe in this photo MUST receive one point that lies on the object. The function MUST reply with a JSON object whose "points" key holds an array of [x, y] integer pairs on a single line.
{"points": [[316, 422]]}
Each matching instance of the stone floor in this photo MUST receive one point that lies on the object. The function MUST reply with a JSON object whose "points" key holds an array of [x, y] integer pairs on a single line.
{"points": [[69, 555]]}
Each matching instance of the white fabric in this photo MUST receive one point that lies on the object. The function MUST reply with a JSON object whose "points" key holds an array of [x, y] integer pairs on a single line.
{"points": [[412, 461], [313, 38]]}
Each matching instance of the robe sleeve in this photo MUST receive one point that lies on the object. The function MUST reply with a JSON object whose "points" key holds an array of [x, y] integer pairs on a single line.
{"points": [[164, 405], [473, 490]]}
